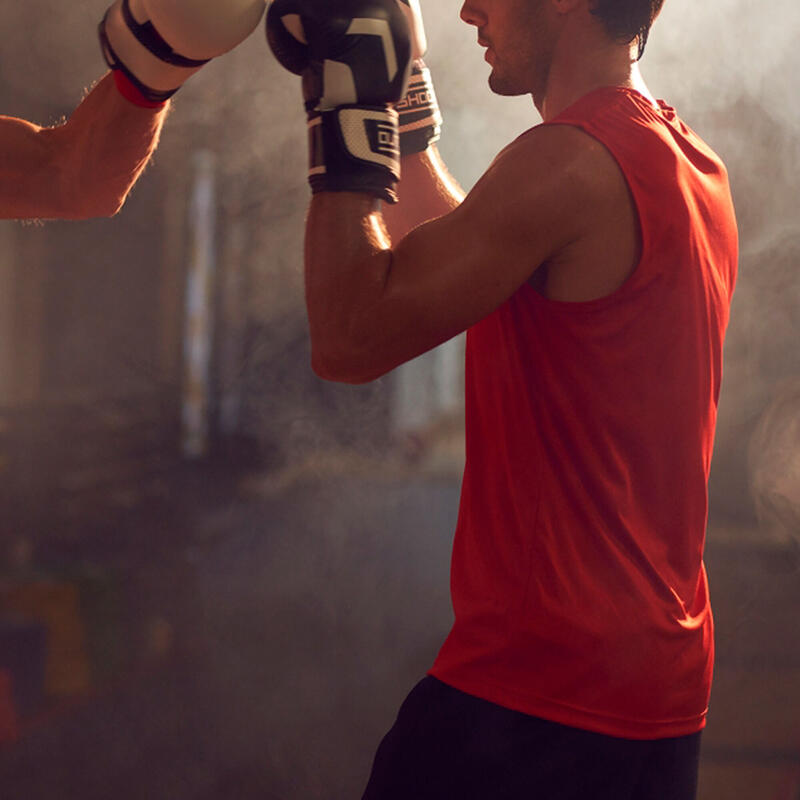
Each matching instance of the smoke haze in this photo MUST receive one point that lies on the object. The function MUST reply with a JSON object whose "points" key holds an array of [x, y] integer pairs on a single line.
{"points": [[304, 617]]}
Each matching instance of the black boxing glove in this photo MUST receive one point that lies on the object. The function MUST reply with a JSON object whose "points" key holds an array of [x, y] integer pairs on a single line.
{"points": [[420, 120], [355, 58]]}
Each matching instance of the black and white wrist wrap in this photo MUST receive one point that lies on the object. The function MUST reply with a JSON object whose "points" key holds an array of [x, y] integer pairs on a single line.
{"points": [[419, 118], [354, 148]]}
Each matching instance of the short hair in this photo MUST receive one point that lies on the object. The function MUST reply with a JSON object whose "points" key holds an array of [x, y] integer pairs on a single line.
{"points": [[626, 20]]}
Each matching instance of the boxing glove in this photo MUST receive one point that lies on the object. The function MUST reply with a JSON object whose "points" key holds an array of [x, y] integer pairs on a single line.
{"points": [[419, 118], [354, 57], [157, 44], [413, 15]]}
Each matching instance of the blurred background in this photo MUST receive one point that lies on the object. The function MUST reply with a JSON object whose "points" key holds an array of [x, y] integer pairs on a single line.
{"points": [[219, 575]]}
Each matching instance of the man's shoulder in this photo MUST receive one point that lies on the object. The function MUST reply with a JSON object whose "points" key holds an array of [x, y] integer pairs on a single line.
{"points": [[573, 160], [550, 140], [551, 187]]}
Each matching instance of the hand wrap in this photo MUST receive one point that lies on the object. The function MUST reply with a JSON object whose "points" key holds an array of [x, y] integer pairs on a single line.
{"points": [[420, 120]]}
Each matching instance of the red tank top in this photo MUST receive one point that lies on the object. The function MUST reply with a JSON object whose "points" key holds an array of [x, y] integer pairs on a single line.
{"points": [[578, 584]]}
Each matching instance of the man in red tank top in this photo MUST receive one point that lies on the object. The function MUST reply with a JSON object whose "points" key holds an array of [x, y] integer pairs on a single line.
{"points": [[592, 266]]}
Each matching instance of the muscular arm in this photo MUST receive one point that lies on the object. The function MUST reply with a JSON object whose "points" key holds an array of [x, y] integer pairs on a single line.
{"points": [[374, 304], [83, 168], [427, 190]]}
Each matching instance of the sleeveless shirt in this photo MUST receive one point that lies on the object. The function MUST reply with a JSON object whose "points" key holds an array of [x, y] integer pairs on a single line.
{"points": [[578, 584]]}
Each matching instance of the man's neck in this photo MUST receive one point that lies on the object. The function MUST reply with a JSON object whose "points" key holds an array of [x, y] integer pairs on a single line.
{"points": [[572, 77]]}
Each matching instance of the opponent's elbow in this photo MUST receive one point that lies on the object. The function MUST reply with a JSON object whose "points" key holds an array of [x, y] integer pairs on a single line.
{"points": [[80, 196], [105, 206], [87, 188], [97, 206]]}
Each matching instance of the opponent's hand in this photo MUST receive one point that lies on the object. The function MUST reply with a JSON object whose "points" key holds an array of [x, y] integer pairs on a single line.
{"points": [[355, 57], [420, 121], [158, 44]]}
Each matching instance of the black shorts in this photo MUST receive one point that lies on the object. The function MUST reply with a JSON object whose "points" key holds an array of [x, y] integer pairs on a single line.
{"points": [[449, 745]]}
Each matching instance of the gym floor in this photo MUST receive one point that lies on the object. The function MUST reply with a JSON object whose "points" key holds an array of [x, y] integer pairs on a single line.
{"points": [[277, 627]]}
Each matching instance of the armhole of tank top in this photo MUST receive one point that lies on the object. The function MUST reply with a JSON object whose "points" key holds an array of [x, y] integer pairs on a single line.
{"points": [[635, 273]]}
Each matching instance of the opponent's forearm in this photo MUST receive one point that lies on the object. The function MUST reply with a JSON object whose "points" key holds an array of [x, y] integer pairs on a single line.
{"points": [[102, 149], [82, 168], [426, 190]]}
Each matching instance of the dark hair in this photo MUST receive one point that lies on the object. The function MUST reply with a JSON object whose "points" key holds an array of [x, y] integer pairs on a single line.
{"points": [[626, 20]]}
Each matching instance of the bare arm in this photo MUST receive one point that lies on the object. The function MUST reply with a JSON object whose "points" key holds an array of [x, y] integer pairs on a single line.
{"points": [[83, 168], [373, 304], [427, 190]]}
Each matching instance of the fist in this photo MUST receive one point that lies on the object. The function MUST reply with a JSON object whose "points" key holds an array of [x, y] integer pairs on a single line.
{"points": [[355, 59], [203, 29], [349, 52], [158, 44]]}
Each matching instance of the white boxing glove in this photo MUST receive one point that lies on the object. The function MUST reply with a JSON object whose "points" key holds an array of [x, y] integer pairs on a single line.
{"points": [[203, 29], [153, 46]]}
